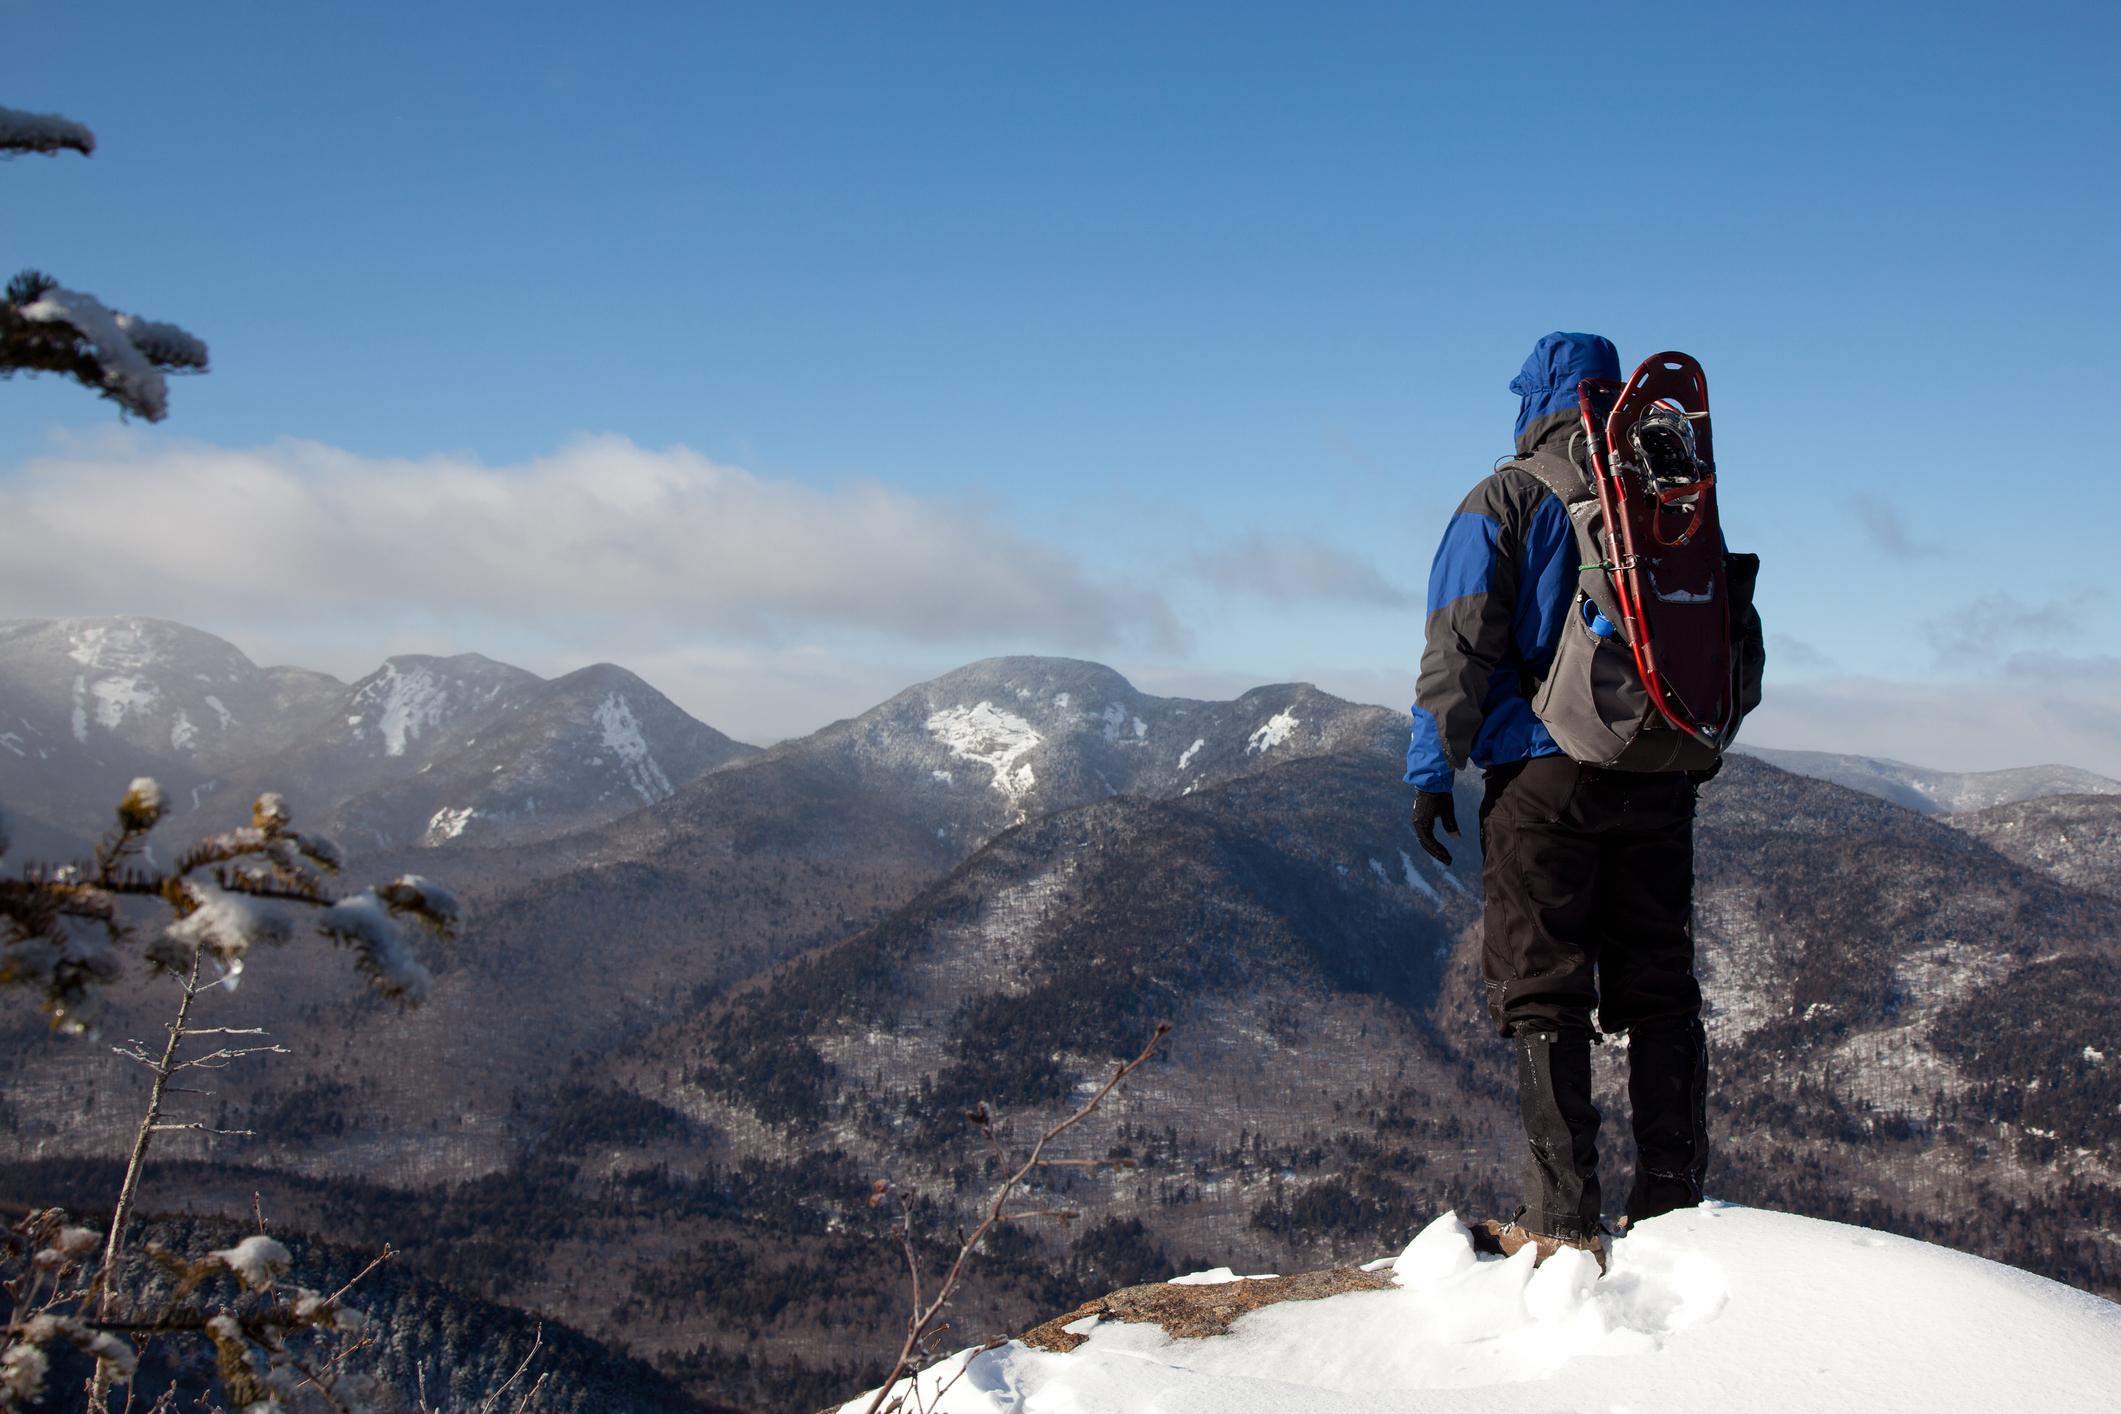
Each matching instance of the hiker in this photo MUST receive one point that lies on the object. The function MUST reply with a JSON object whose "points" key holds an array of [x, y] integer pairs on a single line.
{"points": [[1587, 869]]}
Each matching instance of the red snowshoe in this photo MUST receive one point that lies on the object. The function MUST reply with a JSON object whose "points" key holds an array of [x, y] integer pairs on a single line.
{"points": [[1655, 472]]}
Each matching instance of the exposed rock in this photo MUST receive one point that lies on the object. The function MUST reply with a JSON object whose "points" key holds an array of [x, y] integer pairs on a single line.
{"points": [[1191, 1312]]}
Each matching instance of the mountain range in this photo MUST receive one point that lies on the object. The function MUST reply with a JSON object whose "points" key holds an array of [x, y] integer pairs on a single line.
{"points": [[1936, 792], [677, 1046], [421, 751]]}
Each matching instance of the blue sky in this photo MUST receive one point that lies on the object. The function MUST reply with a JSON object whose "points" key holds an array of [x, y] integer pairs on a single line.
{"points": [[1163, 335]]}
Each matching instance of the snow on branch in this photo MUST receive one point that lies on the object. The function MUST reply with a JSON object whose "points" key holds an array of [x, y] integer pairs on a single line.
{"points": [[164, 345], [364, 923], [225, 924], [47, 328], [42, 132], [230, 893]]}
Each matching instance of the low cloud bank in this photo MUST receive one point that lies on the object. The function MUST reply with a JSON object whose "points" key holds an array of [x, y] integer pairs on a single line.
{"points": [[603, 532], [2049, 718]]}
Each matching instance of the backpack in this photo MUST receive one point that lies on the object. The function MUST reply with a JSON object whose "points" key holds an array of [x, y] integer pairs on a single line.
{"points": [[1661, 655]]}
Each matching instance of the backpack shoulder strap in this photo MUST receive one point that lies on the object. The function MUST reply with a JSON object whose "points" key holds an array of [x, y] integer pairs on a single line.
{"points": [[1558, 474], [1573, 489]]}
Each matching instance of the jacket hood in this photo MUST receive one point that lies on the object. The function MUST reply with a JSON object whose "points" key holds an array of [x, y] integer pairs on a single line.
{"points": [[1547, 383]]}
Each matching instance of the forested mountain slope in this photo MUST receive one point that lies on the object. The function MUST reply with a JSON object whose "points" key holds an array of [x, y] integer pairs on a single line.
{"points": [[661, 1077]]}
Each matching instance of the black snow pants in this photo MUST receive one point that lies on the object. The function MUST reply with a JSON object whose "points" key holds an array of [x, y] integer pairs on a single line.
{"points": [[1589, 877]]}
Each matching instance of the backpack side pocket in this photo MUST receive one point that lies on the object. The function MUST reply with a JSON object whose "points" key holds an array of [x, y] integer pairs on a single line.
{"points": [[1592, 702], [1748, 646]]}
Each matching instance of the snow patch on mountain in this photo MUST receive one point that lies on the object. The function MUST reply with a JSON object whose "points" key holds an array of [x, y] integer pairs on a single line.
{"points": [[122, 646], [406, 704], [624, 739], [447, 824], [995, 738], [1719, 1307], [115, 696], [1185, 757], [1416, 882], [1273, 734]]}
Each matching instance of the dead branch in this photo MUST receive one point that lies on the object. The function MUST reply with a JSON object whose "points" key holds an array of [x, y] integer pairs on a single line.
{"points": [[921, 1324]]}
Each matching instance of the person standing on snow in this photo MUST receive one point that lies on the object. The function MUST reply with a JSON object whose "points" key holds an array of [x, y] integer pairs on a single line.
{"points": [[1588, 872]]}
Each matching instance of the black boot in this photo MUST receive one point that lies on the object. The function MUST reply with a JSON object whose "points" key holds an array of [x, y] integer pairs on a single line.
{"points": [[1668, 1089], [1561, 1198]]}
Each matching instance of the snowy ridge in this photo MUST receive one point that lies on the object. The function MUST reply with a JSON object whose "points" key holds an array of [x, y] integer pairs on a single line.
{"points": [[1936, 792], [458, 749], [1059, 732], [473, 751], [1725, 1308], [188, 703]]}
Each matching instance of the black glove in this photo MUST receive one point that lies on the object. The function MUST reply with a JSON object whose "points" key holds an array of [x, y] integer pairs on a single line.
{"points": [[1706, 773], [1430, 807]]}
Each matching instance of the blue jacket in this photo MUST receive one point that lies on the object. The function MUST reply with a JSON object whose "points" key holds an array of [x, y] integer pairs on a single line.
{"points": [[1502, 581]]}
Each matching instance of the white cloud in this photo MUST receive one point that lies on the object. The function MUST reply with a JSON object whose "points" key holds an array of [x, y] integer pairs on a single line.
{"points": [[1289, 569], [603, 536]]}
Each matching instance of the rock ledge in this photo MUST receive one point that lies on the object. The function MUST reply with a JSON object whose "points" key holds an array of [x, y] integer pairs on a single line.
{"points": [[1190, 1312]]}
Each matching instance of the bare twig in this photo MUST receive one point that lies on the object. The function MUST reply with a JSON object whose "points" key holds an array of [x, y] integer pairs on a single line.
{"points": [[530, 1397], [921, 1324], [355, 1280], [537, 1340]]}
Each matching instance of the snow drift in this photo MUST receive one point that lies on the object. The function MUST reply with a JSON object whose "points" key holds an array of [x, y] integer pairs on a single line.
{"points": [[1719, 1307]]}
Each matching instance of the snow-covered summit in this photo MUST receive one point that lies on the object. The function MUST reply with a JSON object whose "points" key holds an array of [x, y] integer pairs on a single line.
{"points": [[538, 758], [1724, 1308], [425, 749], [163, 688], [1000, 740], [417, 696]]}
